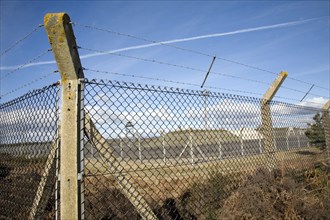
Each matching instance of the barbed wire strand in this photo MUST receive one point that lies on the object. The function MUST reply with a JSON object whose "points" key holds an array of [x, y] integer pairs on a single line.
{"points": [[300, 91], [167, 81], [186, 84], [242, 78], [28, 84], [21, 40], [188, 68], [192, 51], [174, 65], [27, 63]]}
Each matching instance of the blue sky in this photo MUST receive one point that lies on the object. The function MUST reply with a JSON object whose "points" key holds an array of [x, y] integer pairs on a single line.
{"points": [[298, 45]]}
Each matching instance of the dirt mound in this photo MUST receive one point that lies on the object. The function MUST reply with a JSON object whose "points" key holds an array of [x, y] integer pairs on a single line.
{"points": [[273, 195]]}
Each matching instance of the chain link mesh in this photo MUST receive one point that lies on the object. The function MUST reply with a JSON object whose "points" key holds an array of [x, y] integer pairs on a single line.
{"points": [[28, 144], [167, 153]]}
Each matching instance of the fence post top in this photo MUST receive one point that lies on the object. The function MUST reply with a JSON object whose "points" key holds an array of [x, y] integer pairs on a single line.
{"points": [[63, 42], [326, 105], [51, 19], [274, 86], [58, 15], [284, 74]]}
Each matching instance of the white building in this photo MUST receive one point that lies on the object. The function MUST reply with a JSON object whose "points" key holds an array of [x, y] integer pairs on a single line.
{"points": [[247, 134]]}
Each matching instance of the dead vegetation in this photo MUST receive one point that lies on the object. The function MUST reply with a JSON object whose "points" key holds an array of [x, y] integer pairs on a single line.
{"points": [[299, 189], [19, 179], [281, 195], [300, 193]]}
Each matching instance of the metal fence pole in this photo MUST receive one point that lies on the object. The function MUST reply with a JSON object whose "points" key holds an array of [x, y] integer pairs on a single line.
{"points": [[139, 146], [287, 139], [62, 40], [267, 120], [220, 148], [299, 139], [326, 125], [191, 147], [242, 142], [260, 146], [162, 135], [57, 180], [121, 149], [81, 165]]}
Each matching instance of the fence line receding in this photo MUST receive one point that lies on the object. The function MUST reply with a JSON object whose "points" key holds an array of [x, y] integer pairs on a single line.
{"points": [[119, 150], [186, 151], [28, 143]]}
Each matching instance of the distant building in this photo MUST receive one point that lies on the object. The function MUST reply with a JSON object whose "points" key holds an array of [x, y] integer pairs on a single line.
{"points": [[247, 134], [288, 131]]}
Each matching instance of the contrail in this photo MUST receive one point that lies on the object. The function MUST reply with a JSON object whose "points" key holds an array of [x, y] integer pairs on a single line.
{"points": [[247, 30], [27, 65]]}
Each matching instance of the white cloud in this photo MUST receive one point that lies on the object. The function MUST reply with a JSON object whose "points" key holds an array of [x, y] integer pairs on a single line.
{"points": [[28, 124], [316, 102], [151, 111], [112, 123]]}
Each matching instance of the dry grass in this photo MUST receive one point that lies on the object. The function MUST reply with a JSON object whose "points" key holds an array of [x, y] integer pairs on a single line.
{"points": [[173, 184], [19, 180], [281, 195], [199, 190]]}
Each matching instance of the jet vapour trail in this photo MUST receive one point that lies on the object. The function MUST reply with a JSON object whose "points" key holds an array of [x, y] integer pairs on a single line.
{"points": [[201, 37], [27, 65], [241, 31]]}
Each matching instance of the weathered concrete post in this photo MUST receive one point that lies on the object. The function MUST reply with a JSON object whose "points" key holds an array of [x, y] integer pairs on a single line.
{"points": [[326, 126], [267, 126], [63, 43]]}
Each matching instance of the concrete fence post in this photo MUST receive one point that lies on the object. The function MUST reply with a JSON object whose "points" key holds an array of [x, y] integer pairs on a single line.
{"points": [[326, 126], [267, 126], [63, 43]]}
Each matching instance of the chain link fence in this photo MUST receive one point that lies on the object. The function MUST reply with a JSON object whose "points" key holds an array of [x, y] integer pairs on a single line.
{"points": [[165, 153], [28, 148], [132, 151], [153, 152]]}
